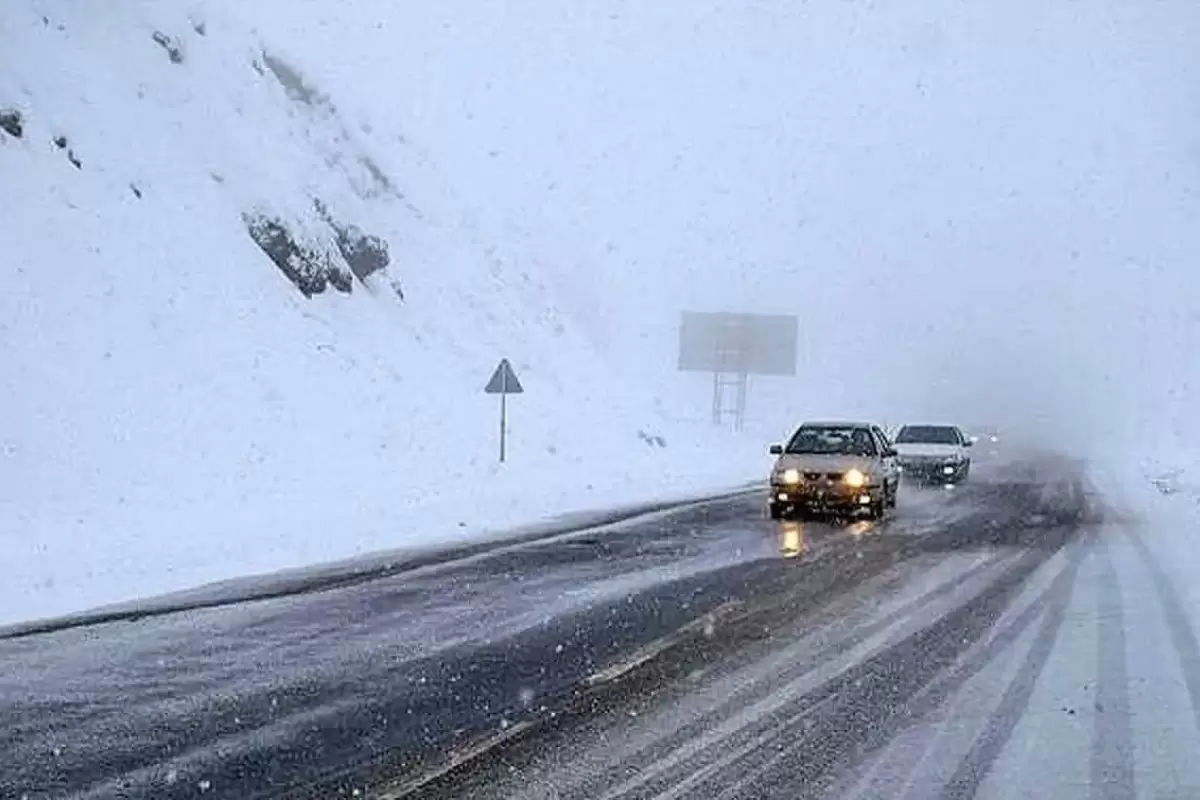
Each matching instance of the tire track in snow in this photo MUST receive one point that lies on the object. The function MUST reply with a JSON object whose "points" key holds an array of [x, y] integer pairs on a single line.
{"points": [[911, 772], [977, 658], [722, 729], [990, 743], [864, 707], [1112, 774], [1182, 635]]}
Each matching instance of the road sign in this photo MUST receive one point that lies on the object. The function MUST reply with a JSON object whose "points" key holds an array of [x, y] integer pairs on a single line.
{"points": [[504, 382]]}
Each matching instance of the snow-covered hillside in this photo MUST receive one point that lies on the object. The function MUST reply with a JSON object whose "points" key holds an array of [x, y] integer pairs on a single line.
{"points": [[176, 410]]}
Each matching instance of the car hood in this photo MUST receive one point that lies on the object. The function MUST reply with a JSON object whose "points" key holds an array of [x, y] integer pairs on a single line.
{"points": [[936, 450], [814, 463]]}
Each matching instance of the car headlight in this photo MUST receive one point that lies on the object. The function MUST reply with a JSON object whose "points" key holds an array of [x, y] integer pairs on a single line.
{"points": [[790, 476], [855, 479]]}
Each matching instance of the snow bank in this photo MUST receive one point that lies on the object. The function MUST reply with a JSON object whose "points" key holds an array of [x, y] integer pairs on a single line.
{"points": [[180, 411], [1146, 486], [1154, 498]]}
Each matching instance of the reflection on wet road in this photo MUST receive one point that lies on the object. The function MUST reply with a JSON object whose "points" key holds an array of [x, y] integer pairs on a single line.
{"points": [[794, 536], [791, 539], [388, 684]]}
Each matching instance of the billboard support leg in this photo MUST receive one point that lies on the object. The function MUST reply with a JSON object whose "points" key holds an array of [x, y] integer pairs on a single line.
{"points": [[716, 398], [739, 414], [733, 347]]}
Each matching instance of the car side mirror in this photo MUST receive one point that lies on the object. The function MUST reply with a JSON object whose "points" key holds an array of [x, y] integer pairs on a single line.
{"points": [[969, 443], [891, 452], [776, 449]]}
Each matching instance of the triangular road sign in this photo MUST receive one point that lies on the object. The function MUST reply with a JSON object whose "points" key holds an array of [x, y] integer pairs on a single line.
{"points": [[504, 380]]}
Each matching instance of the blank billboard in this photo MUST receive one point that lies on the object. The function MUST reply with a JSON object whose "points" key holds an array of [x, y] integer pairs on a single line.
{"points": [[750, 344]]}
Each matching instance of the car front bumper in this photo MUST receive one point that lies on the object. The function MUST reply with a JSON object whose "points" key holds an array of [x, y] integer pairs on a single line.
{"points": [[832, 496], [935, 470]]}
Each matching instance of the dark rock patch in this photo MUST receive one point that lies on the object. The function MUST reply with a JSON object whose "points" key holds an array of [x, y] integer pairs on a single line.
{"points": [[61, 143], [340, 279], [365, 254], [12, 123], [307, 269], [171, 45], [294, 84], [653, 440], [381, 180]]}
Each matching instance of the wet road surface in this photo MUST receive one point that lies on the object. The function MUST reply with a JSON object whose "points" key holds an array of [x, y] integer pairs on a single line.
{"points": [[797, 692], [703, 653]]}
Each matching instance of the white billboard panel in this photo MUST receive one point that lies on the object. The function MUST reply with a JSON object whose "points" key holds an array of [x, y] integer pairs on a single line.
{"points": [[748, 344]]}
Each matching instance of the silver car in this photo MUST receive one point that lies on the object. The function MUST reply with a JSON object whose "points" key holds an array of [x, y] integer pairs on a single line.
{"points": [[834, 467], [934, 453]]}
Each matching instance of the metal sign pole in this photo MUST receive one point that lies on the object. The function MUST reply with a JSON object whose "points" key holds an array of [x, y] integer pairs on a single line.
{"points": [[503, 422], [504, 382]]}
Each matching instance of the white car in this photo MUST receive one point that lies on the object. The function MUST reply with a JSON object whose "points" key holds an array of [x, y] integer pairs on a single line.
{"points": [[934, 453]]}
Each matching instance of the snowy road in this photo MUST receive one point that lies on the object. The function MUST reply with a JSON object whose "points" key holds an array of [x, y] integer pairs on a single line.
{"points": [[901, 666], [804, 648]]}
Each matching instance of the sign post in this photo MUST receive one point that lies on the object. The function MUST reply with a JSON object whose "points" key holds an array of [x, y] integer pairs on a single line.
{"points": [[503, 382]]}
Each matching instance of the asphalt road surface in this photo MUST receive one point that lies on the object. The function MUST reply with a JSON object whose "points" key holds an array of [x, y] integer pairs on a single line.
{"points": [[702, 653]]}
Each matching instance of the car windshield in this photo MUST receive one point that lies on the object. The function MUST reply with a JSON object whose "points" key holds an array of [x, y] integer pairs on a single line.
{"points": [[928, 434], [840, 441]]}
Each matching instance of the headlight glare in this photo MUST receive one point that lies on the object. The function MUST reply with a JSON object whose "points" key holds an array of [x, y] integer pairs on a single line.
{"points": [[855, 479], [790, 476]]}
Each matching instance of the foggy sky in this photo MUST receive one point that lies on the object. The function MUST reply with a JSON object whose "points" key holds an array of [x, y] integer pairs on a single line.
{"points": [[986, 211]]}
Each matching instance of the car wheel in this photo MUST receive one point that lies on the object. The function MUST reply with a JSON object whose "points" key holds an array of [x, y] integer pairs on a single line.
{"points": [[891, 495], [775, 511], [878, 508]]}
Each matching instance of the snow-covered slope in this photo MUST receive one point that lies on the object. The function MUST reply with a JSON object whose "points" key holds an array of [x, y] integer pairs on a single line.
{"points": [[176, 410]]}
